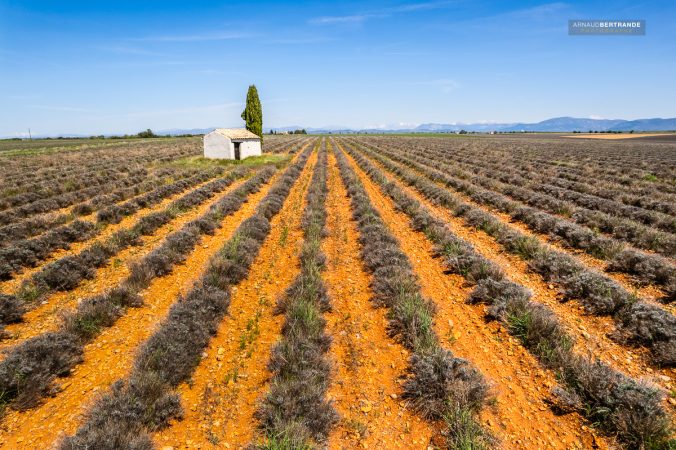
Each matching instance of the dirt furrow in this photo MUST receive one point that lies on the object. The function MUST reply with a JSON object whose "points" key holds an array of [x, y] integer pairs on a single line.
{"points": [[46, 317], [65, 215], [650, 268], [221, 399], [520, 416], [368, 363], [110, 356], [649, 293], [592, 332], [107, 231]]}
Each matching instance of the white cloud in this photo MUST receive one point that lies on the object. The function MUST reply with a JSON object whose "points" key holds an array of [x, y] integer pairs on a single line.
{"points": [[195, 37], [351, 19], [60, 108], [179, 111], [208, 72], [297, 40], [18, 134], [359, 18], [397, 126], [123, 50], [421, 6], [25, 96], [408, 53], [542, 11], [537, 20], [446, 85], [100, 114]]}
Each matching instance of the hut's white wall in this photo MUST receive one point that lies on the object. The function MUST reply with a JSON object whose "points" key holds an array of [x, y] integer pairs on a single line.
{"points": [[250, 148], [221, 147], [218, 146]]}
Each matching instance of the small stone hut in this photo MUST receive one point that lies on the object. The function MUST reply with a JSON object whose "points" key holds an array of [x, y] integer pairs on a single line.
{"points": [[231, 143]]}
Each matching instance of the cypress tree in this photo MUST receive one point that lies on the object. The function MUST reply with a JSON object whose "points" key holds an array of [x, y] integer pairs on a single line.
{"points": [[253, 112]]}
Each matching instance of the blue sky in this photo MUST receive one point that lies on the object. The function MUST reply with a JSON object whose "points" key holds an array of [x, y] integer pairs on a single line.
{"points": [[121, 66]]}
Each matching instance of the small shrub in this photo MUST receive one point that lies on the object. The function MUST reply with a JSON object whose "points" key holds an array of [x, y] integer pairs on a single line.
{"points": [[27, 373], [652, 326], [123, 415], [441, 383], [11, 309]]}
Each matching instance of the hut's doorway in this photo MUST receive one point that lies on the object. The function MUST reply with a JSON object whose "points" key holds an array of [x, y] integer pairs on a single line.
{"points": [[237, 153]]}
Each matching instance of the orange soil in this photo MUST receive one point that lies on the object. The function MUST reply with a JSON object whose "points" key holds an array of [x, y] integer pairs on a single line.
{"points": [[90, 217], [50, 215], [107, 231], [46, 317], [649, 293], [226, 387], [111, 355], [591, 332], [614, 136], [520, 416], [57, 212], [368, 363]]}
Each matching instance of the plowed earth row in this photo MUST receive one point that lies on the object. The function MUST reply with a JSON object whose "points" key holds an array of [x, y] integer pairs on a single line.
{"points": [[648, 292], [105, 232], [222, 397], [520, 415], [46, 316], [368, 365], [592, 332], [111, 354]]}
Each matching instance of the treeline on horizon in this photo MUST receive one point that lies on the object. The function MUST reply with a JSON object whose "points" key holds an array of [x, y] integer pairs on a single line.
{"points": [[141, 135], [150, 134]]}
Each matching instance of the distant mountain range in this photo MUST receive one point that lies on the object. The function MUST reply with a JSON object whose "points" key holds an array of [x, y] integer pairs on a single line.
{"points": [[557, 124]]}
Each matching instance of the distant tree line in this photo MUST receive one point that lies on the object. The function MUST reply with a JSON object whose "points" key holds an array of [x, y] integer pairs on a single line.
{"points": [[141, 135], [301, 131], [607, 131]]}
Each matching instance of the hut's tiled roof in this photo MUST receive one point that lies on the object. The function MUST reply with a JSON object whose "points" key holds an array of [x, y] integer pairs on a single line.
{"points": [[236, 133]]}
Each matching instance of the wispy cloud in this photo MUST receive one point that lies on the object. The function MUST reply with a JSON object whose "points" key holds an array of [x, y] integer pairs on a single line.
{"points": [[209, 72], [540, 12], [102, 114], [408, 53], [391, 126], [25, 96], [420, 6], [124, 50], [545, 12], [351, 19], [180, 111], [446, 85], [60, 108], [537, 20], [195, 37], [359, 18], [297, 40], [129, 63]]}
